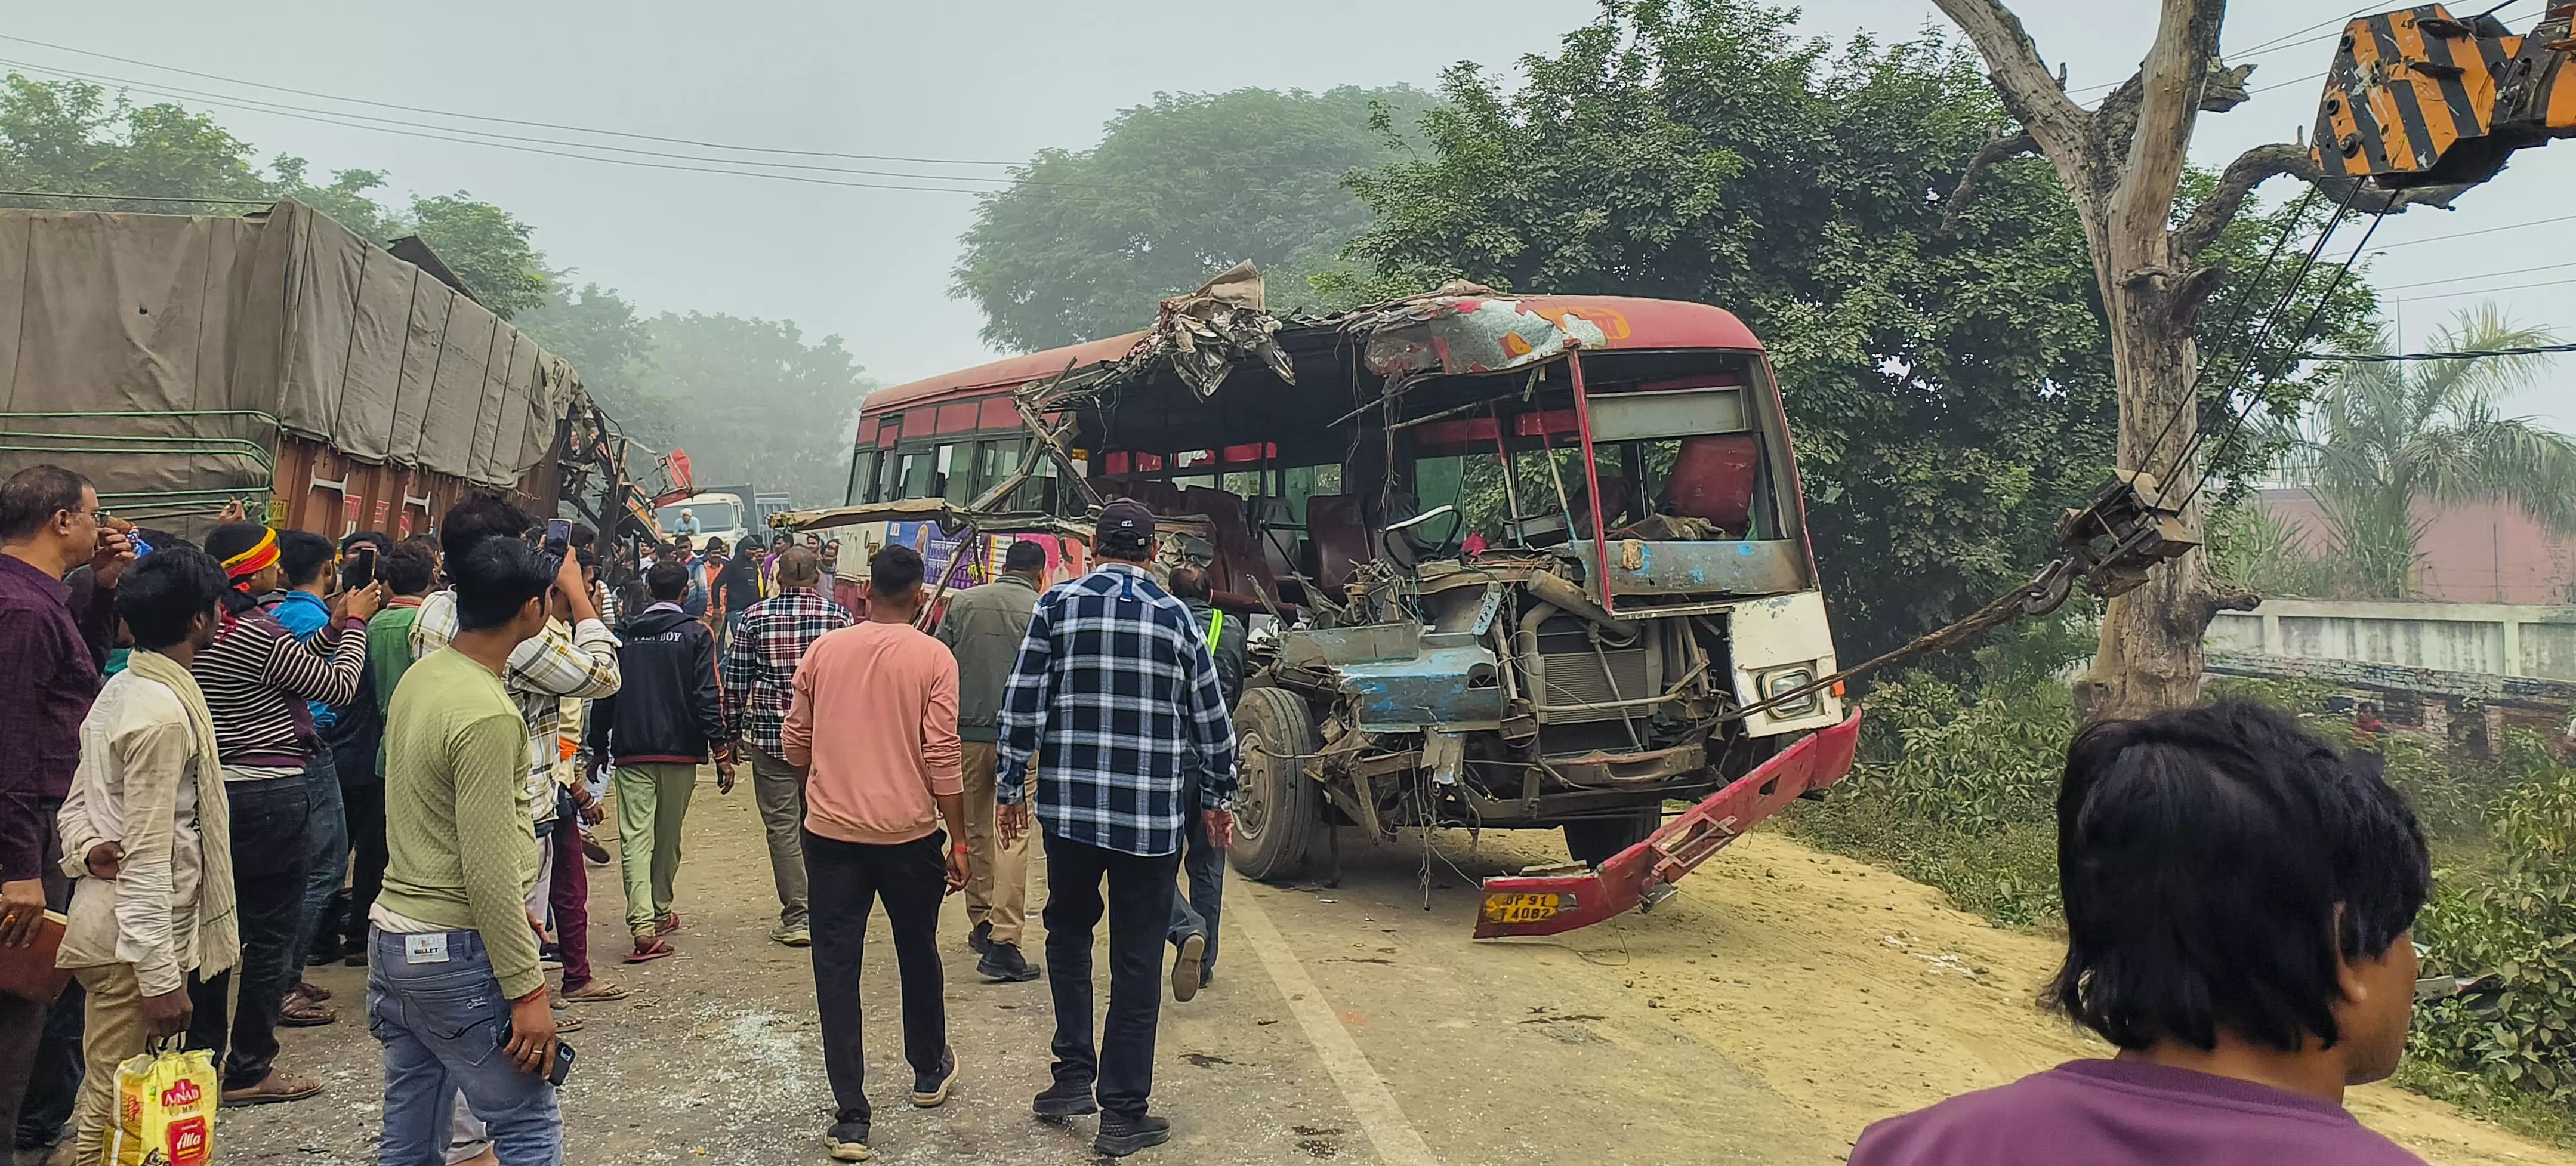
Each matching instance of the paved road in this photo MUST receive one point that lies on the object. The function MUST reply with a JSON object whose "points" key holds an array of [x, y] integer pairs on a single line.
{"points": [[1346, 1024]]}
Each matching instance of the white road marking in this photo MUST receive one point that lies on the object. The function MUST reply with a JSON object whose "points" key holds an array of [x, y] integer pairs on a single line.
{"points": [[1396, 1141]]}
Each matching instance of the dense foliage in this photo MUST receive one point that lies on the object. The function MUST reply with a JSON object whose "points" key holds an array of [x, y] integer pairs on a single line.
{"points": [[1084, 242], [750, 399], [1949, 383]]}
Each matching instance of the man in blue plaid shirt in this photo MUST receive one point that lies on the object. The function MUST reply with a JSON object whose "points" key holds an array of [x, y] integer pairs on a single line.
{"points": [[1116, 696]]}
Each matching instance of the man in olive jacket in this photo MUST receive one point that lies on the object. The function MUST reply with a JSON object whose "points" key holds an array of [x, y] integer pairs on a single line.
{"points": [[983, 628]]}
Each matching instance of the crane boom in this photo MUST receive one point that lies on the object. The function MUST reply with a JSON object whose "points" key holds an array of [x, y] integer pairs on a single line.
{"points": [[2418, 97]]}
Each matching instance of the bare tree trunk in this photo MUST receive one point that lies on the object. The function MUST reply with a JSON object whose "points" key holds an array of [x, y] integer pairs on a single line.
{"points": [[2122, 163]]}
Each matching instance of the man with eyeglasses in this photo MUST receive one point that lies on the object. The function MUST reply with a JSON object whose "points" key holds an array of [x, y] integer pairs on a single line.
{"points": [[50, 656]]}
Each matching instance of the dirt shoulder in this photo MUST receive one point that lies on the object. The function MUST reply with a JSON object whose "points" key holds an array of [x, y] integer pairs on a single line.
{"points": [[1859, 995]]}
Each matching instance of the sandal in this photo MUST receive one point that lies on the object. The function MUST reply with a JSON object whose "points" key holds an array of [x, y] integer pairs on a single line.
{"points": [[301, 1013], [595, 992], [311, 991], [670, 923], [650, 950], [276, 1087]]}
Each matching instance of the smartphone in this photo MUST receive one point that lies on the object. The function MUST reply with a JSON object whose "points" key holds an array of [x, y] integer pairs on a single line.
{"points": [[557, 1070], [558, 535], [361, 570]]}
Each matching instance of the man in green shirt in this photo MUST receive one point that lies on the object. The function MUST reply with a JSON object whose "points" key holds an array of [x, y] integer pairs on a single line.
{"points": [[454, 971], [407, 572]]}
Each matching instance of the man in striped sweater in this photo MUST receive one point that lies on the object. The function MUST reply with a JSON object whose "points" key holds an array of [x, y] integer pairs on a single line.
{"points": [[257, 679]]}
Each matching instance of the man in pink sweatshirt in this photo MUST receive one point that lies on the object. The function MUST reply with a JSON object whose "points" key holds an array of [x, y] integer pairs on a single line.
{"points": [[873, 724]]}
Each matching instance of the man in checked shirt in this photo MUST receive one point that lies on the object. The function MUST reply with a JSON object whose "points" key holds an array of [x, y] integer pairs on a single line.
{"points": [[1116, 696], [759, 668]]}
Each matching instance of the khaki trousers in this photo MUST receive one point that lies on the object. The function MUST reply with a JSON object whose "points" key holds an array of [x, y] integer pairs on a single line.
{"points": [[997, 892], [652, 801], [113, 1031]]}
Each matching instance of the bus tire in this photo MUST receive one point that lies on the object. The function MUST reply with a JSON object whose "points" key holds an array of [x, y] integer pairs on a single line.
{"points": [[1276, 806], [1594, 841]]}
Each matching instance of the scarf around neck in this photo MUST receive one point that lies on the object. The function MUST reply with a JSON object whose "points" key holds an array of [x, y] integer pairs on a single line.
{"points": [[218, 928]]}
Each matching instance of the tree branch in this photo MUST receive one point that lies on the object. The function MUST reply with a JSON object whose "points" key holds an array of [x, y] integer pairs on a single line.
{"points": [[2028, 89], [2261, 164], [2171, 82], [2001, 148]]}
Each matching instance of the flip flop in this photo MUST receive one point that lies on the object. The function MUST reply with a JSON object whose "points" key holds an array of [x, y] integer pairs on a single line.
{"points": [[670, 923], [650, 952]]}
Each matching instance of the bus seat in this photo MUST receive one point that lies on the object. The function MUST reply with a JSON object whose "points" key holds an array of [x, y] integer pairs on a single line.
{"points": [[1278, 532], [1340, 535], [1239, 561], [1616, 493], [1713, 478]]}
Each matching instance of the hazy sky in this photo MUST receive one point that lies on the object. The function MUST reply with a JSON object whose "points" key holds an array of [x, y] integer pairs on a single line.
{"points": [[982, 81]]}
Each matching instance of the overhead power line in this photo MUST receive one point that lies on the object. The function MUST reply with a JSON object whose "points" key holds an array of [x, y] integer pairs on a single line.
{"points": [[2398, 357], [510, 120], [135, 197], [2480, 291], [2481, 275]]}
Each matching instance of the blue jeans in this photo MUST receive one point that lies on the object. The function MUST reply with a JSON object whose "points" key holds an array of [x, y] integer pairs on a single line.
{"points": [[441, 1025], [1204, 862], [328, 859]]}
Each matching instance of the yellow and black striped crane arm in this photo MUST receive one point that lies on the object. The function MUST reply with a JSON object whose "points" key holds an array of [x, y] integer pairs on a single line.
{"points": [[2418, 97]]}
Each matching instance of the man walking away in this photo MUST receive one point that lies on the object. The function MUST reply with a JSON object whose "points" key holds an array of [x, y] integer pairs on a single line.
{"points": [[454, 991], [759, 674], [2240, 899], [355, 736], [50, 655], [874, 725], [408, 571], [257, 679], [656, 731], [1115, 693], [983, 627], [1194, 918], [148, 824]]}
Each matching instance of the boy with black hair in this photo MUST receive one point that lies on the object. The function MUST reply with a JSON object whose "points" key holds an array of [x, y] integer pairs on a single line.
{"points": [[408, 571], [258, 678], [454, 974], [2239, 899], [306, 559], [1193, 932], [147, 831], [655, 731]]}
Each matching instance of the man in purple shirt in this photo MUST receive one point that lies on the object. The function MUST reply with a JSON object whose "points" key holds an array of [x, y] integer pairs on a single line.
{"points": [[2239, 905], [49, 672]]}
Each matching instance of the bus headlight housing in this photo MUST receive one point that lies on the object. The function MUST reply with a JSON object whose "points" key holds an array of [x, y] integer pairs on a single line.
{"points": [[1776, 681]]}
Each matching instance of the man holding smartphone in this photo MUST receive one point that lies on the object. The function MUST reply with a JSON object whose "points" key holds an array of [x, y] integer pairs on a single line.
{"points": [[454, 959]]}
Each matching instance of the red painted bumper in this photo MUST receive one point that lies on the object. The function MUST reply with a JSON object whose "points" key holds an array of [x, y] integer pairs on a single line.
{"points": [[1546, 904]]}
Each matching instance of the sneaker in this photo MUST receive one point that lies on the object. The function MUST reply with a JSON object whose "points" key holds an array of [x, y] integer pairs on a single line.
{"points": [[930, 1089], [1121, 1136], [797, 936], [1186, 968], [980, 940], [1003, 964], [1063, 1100], [848, 1141]]}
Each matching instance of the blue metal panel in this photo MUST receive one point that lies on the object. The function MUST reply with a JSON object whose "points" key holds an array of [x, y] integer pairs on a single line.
{"points": [[1442, 686], [1706, 568]]}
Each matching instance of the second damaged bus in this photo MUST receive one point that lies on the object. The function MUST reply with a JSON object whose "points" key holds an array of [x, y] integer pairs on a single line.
{"points": [[1520, 562]]}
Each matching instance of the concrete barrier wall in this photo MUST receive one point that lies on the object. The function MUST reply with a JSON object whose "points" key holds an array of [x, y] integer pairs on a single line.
{"points": [[2491, 639]]}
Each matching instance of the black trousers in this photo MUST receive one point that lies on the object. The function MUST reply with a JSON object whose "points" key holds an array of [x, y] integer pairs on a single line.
{"points": [[844, 880], [1121, 1072], [23, 1022], [1204, 862], [271, 838], [366, 808]]}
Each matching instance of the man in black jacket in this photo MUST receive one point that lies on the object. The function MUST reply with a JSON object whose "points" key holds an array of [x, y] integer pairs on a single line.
{"points": [[1193, 931], [656, 732]]}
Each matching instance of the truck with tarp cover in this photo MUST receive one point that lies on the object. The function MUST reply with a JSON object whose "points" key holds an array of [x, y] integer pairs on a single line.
{"points": [[1521, 561], [279, 360]]}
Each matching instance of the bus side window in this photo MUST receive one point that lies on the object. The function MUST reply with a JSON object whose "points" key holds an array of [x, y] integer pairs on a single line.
{"points": [[863, 478]]}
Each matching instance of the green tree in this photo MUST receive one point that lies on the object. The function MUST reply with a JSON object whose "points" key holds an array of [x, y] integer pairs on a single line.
{"points": [[752, 401], [1949, 382], [485, 246], [74, 137], [2384, 435], [1083, 243]]}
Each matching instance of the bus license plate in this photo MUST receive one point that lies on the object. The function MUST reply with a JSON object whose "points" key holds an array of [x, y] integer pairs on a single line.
{"points": [[1523, 908]]}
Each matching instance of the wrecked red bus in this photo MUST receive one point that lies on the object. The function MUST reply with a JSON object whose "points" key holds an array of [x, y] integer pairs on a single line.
{"points": [[1516, 562]]}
